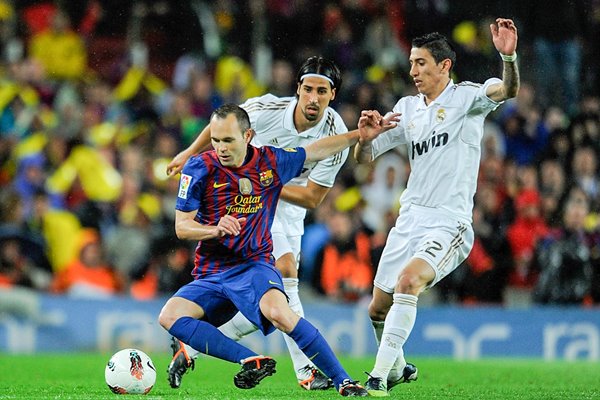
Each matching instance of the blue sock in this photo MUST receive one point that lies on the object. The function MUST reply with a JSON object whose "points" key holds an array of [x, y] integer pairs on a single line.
{"points": [[207, 339], [313, 344]]}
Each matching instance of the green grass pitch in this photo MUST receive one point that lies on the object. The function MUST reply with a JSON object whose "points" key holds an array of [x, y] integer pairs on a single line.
{"points": [[81, 376]]}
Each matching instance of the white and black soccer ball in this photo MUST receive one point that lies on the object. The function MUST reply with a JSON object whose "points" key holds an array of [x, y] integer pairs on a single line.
{"points": [[130, 371]]}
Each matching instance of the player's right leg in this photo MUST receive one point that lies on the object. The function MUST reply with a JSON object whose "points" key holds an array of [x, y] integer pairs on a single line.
{"points": [[181, 318], [184, 356], [409, 373], [181, 362], [400, 372], [398, 324]]}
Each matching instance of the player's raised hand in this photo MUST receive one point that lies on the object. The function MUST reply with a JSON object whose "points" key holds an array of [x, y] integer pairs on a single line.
{"points": [[230, 225], [177, 163], [371, 124], [504, 36]]}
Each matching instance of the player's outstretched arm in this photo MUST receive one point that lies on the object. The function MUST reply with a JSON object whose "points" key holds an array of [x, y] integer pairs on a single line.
{"points": [[370, 125], [201, 143], [325, 147], [504, 36], [309, 196], [330, 145]]}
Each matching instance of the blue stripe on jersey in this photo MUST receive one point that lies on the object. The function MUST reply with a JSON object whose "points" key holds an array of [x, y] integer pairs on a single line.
{"points": [[264, 231], [217, 192]]}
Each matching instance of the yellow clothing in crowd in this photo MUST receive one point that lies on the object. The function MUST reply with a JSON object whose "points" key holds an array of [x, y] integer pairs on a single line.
{"points": [[63, 54]]}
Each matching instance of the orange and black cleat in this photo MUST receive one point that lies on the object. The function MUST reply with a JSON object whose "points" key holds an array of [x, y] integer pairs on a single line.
{"points": [[180, 364], [254, 370]]}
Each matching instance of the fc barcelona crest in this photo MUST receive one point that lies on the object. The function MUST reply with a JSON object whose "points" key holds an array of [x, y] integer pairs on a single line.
{"points": [[266, 177], [245, 186]]}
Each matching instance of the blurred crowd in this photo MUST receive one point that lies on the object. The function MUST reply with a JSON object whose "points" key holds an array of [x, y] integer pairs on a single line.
{"points": [[96, 97]]}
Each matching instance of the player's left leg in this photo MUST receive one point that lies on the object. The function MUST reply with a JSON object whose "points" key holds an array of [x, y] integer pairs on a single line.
{"points": [[274, 307], [309, 377]]}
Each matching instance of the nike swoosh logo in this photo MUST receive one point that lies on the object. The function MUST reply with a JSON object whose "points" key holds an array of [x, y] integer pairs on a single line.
{"points": [[273, 283], [218, 185], [150, 365]]}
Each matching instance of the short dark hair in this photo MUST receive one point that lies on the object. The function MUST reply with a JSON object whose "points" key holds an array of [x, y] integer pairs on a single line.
{"points": [[322, 66], [240, 114], [438, 45]]}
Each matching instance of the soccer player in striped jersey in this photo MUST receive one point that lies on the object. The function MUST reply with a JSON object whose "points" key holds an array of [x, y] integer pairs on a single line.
{"points": [[285, 122], [442, 126], [226, 200]]}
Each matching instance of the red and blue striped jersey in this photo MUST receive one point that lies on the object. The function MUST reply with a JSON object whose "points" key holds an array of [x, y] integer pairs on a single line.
{"points": [[251, 190]]}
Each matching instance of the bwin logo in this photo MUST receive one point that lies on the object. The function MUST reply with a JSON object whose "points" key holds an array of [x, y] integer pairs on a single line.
{"points": [[438, 140]]}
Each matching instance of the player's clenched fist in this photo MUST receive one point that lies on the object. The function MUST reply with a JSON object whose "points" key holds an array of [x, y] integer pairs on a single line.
{"points": [[229, 225]]}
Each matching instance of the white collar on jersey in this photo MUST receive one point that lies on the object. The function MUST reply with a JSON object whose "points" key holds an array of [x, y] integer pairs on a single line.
{"points": [[288, 121], [439, 100]]}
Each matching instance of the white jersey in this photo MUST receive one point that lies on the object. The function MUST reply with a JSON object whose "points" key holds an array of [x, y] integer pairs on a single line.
{"points": [[444, 146], [273, 120]]}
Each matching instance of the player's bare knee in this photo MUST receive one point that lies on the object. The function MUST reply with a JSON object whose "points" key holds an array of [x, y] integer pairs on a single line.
{"points": [[286, 264], [166, 319], [377, 312], [282, 318], [289, 273], [409, 284]]}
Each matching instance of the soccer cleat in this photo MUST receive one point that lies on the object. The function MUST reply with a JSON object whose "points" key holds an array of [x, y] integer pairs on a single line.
{"points": [[180, 364], [376, 387], [409, 374], [254, 370], [316, 380], [350, 388]]}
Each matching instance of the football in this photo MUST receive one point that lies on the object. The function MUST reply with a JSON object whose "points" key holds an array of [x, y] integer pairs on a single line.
{"points": [[130, 371]]}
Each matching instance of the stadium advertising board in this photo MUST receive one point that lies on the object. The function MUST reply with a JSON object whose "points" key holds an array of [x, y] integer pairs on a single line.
{"points": [[56, 324]]}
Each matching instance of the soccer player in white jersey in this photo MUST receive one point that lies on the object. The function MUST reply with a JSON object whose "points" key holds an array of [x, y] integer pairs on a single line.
{"points": [[442, 126], [284, 122]]}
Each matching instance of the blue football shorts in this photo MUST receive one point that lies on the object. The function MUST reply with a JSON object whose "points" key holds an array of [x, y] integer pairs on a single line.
{"points": [[223, 294]]}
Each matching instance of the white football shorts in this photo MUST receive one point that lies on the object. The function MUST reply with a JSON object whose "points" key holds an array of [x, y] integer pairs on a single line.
{"points": [[425, 233], [284, 243]]}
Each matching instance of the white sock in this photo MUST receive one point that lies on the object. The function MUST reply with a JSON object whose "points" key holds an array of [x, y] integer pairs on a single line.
{"points": [[237, 327], [192, 352], [378, 330], [398, 325], [396, 370], [299, 359]]}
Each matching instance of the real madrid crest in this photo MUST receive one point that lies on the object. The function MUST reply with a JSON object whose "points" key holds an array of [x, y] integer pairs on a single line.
{"points": [[245, 186], [266, 177], [441, 115]]}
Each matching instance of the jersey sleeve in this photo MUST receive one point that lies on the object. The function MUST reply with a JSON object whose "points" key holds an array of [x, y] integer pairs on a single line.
{"points": [[481, 102], [191, 185], [289, 162], [394, 137]]}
